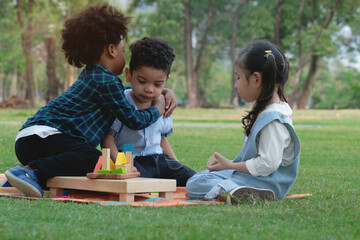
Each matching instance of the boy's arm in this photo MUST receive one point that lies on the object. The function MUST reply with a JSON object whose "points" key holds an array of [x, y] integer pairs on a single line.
{"points": [[167, 148], [109, 142], [113, 99]]}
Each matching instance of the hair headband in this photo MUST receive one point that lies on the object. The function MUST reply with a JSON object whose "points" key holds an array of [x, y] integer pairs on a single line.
{"points": [[268, 53]]}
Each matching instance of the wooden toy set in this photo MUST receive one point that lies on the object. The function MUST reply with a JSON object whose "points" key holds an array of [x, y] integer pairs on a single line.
{"points": [[117, 178], [122, 169]]}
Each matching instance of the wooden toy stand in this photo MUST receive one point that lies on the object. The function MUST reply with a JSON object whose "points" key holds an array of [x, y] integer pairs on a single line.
{"points": [[126, 188], [112, 176]]}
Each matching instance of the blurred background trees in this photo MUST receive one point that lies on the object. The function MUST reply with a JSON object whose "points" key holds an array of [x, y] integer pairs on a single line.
{"points": [[321, 39]]}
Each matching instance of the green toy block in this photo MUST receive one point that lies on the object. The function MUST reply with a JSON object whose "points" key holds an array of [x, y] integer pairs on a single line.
{"points": [[118, 171], [104, 171]]}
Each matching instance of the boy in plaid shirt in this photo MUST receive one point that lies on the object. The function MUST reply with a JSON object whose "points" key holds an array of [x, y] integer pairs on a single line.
{"points": [[61, 138]]}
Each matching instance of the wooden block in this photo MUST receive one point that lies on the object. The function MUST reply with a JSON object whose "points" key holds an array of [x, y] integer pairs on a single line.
{"points": [[113, 176], [106, 159], [101, 171], [120, 159], [98, 165], [128, 168], [120, 166], [118, 171], [56, 192], [126, 197], [212, 160], [130, 160], [167, 195]]}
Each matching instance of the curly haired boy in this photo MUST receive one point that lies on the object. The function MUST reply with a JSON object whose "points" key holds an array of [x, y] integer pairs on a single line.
{"points": [[61, 138]]}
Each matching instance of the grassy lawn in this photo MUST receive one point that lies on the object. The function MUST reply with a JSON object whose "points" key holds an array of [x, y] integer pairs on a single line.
{"points": [[329, 169]]}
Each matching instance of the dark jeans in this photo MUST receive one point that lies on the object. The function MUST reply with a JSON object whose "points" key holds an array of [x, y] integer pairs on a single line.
{"points": [[163, 166], [56, 155]]}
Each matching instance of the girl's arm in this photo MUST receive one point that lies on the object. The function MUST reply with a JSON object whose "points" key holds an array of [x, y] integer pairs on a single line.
{"points": [[224, 163], [109, 142], [167, 148], [274, 141]]}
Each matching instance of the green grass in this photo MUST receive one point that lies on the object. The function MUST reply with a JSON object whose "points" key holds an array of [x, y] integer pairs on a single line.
{"points": [[329, 169]]}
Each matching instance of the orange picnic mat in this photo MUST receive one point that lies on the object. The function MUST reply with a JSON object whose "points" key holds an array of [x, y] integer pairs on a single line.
{"points": [[152, 199]]}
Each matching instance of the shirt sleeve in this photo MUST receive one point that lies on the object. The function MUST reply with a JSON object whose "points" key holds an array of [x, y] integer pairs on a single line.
{"points": [[114, 100], [115, 128], [167, 127], [272, 141]]}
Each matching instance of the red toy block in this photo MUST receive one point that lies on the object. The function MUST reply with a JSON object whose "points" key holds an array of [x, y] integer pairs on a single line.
{"points": [[98, 165]]}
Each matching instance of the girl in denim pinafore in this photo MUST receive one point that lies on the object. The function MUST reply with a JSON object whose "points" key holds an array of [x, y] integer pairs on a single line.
{"points": [[268, 164]]}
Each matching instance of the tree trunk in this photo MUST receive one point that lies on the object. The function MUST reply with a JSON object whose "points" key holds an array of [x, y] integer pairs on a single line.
{"points": [[198, 63], [193, 75], [276, 38], [26, 38], [310, 77], [3, 77], [53, 83], [191, 86], [234, 98], [303, 60], [70, 76], [14, 84]]}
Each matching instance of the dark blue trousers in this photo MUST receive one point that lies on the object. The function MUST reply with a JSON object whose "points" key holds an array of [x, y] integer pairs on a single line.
{"points": [[163, 166], [56, 155]]}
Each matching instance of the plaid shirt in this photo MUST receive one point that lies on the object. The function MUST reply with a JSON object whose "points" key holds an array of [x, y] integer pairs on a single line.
{"points": [[89, 107]]}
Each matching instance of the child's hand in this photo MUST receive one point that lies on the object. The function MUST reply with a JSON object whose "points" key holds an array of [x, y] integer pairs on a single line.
{"points": [[159, 103], [222, 163], [170, 101]]}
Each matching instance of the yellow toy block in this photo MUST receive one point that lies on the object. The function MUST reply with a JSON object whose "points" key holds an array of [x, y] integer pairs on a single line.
{"points": [[121, 159], [112, 165]]}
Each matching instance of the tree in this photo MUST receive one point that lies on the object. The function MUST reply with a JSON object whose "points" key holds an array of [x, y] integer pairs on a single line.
{"points": [[52, 92], [276, 37], [11, 56], [193, 71], [25, 19], [305, 57], [235, 10]]}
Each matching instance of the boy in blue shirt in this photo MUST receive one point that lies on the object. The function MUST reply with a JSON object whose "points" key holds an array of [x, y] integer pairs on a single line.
{"points": [[61, 138], [150, 64]]}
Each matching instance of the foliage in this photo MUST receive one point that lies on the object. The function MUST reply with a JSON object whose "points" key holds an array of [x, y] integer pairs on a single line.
{"points": [[341, 90], [165, 19]]}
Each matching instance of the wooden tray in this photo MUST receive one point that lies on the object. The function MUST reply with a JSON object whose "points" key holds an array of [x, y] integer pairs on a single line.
{"points": [[112, 176]]}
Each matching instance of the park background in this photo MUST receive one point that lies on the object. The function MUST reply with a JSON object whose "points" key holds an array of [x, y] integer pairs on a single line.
{"points": [[321, 39]]}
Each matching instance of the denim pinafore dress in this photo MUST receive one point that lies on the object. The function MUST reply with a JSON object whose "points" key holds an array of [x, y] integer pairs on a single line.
{"points": [[208, 185]]}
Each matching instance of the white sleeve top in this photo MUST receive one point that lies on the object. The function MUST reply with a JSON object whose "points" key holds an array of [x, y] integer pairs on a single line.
{"points": [[275, 146]]}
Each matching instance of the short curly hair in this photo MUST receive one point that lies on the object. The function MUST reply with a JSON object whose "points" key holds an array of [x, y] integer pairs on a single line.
{"points": [[86, 34], [151, 52]]}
